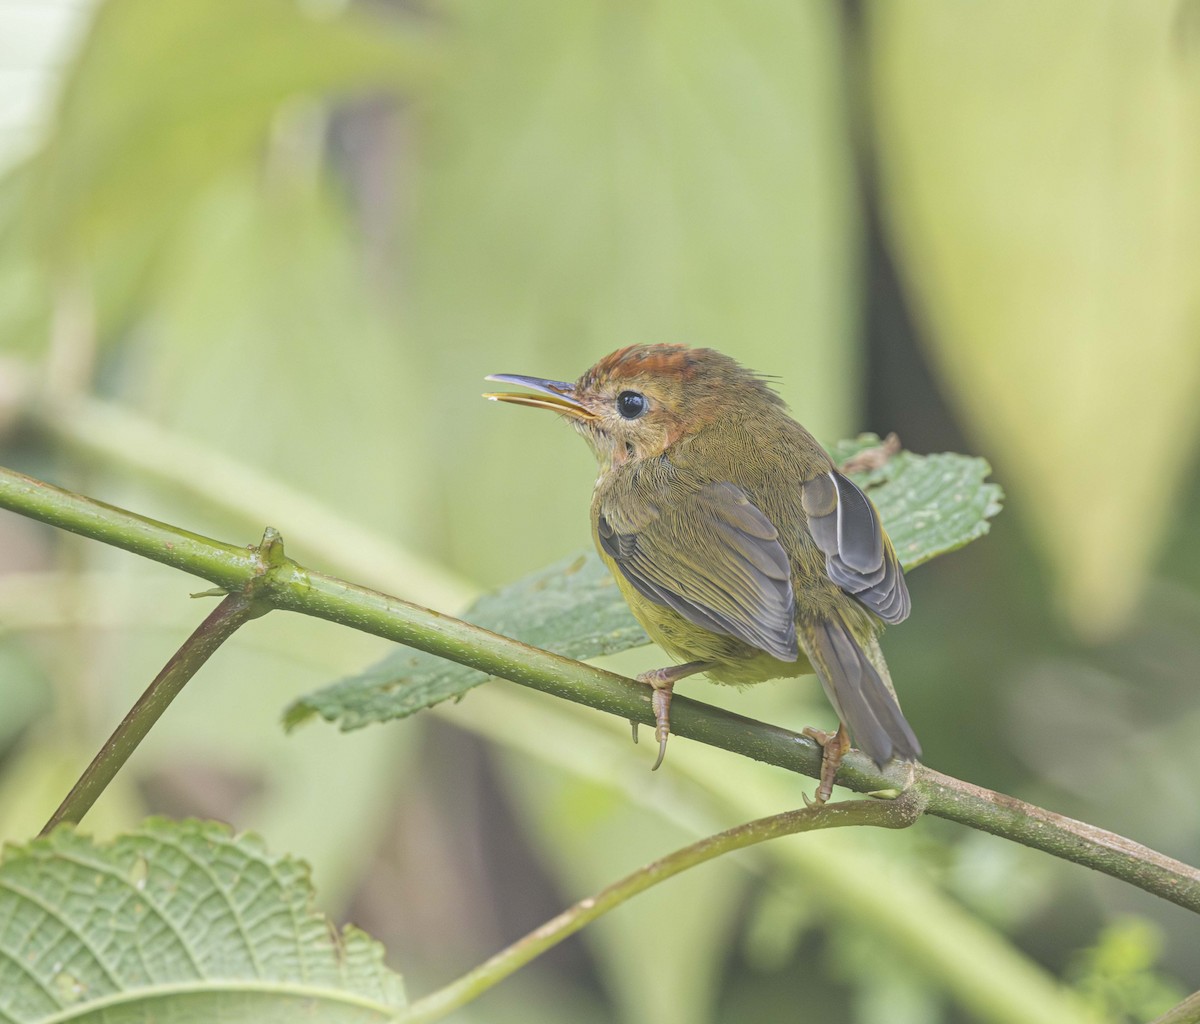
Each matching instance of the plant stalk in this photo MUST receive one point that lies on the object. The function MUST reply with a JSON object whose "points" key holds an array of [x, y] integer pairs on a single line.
{"points": [[899, 813], [218, 626]]}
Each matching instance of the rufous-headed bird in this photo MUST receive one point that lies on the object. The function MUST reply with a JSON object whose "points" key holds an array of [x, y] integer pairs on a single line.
{"points": [[739, 546]]}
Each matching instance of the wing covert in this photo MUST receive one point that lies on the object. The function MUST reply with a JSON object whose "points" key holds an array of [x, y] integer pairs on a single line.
{"points": [[714, 558]]}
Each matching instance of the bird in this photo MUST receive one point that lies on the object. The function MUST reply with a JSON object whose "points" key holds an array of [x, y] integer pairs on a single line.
{"points": [[737, 543]]}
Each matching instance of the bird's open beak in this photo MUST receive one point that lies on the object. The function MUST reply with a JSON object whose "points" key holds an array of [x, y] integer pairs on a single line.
{"points": [[558, 395]]}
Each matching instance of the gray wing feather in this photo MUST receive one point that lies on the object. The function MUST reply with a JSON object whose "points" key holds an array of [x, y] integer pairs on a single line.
{"points": [[858, 556], [859, 694], [714, 558]]}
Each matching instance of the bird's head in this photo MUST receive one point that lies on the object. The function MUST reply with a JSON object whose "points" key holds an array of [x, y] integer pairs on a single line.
{"points": [[639, 401]]}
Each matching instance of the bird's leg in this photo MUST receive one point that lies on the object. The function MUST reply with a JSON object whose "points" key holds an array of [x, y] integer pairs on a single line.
{"points": [[662, 682], [833, 749]]}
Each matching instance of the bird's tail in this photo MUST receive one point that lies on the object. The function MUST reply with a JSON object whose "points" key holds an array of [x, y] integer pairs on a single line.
{"points": [[856, 681]]}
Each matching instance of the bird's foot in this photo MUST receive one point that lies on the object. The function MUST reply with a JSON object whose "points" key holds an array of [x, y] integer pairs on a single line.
{"points": [[833, 749], [662, 681]]}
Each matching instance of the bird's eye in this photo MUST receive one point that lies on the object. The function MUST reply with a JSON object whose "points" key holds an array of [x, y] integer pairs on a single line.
{"points": [[631, 404]]}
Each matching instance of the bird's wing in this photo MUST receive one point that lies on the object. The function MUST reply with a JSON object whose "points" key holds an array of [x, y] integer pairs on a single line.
{"points": [[859, 558], [714, 558], [856, 680]]}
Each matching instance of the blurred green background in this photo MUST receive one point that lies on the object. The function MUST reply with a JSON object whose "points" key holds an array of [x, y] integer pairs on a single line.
{"points": [[256, 257]]}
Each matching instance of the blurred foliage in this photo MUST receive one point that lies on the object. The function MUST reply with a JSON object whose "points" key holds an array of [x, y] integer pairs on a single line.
{"points": [[1118, 975], [1051, 239], [298, 235]]}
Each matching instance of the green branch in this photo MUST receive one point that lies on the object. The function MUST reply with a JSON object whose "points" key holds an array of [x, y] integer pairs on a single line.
{"points": [[883, 814], [1187, 1012], [234, 611], [289, 586], [94, 429], [226, 565]]}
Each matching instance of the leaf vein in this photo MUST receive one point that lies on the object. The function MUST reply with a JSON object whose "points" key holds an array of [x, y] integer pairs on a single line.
{"points": [[60, 918], [218, 891], [159, 912]]}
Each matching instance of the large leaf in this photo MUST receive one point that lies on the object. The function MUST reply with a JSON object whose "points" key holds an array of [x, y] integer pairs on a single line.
{"points": [[179, 921], [931, 504], [593, 175], [1038, 163]]}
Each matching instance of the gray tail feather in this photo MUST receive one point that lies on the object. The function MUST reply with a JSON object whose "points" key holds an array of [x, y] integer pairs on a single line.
{"points": [[860, 694]]}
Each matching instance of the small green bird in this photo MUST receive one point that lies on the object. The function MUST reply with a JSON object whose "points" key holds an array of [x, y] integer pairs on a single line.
{"points": [[739, 546]]}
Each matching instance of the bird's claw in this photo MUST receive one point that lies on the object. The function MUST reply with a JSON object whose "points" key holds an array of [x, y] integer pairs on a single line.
{"points": [[662, 752], [661, 702], [660, 681], [819, 736], [661, 731]]}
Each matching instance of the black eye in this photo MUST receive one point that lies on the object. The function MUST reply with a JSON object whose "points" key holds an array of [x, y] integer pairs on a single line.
{"points": [[631, 404]]}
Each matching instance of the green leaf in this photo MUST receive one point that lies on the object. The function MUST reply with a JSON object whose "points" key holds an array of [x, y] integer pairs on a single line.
{"points": [[179, 921], [572, 608], [930, 504], [1037, 168]]}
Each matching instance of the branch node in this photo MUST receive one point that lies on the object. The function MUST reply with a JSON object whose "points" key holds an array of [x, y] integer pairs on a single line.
{"points": [[270, 550]]}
